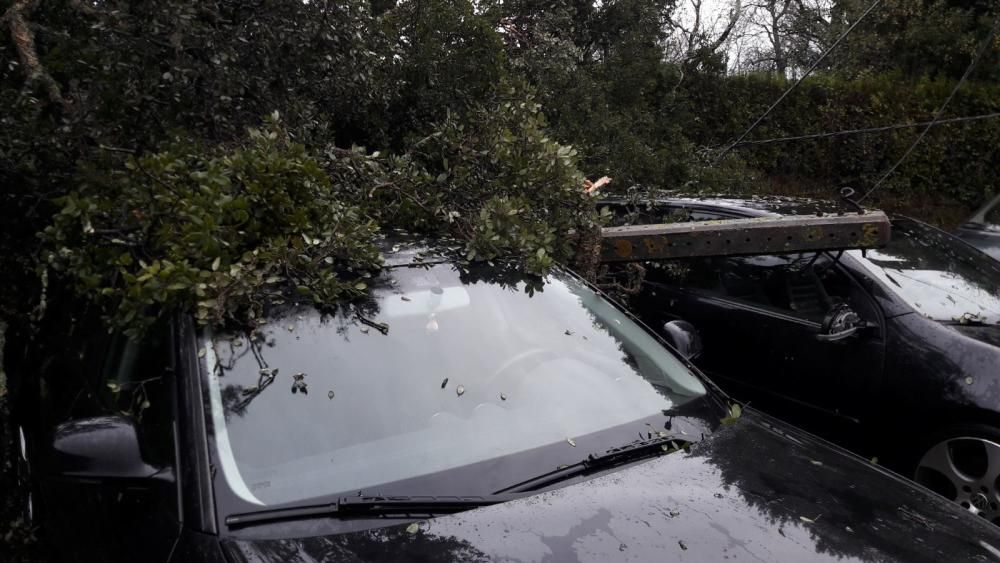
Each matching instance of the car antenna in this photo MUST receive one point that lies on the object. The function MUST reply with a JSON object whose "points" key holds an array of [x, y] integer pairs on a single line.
{"points": [[847, 196]]}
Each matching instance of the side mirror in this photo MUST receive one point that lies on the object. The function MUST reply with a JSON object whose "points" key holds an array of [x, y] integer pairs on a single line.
{"points": [[684, 338], [840, 323], [104, 447]]}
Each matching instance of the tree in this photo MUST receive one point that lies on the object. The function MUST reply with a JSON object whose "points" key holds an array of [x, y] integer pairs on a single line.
{"points": [[700, 40], [934, 38]]}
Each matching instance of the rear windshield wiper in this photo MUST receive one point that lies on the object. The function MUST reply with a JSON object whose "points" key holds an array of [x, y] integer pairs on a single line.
{"points": [[371, 507], [614, 457]]}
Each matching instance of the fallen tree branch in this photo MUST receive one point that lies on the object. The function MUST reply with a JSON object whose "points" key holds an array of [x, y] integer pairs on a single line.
{"points": [[24, 41], [591, 187], [588, 253], [634, 273]]}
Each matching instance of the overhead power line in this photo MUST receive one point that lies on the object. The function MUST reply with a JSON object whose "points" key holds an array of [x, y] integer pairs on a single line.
{"points": [[937, 115], [881, 129], [808, 71]]}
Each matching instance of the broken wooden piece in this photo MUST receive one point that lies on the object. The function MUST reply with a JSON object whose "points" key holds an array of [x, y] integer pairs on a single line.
{"points": [[591, 187], [736, 237]]}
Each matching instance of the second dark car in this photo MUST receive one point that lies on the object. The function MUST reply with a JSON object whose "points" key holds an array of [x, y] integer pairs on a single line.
{"points": [[894, 352]]}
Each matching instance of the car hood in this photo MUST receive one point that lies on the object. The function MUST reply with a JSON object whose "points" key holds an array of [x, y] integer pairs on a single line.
{"points": [[989, 334], [755, 490]]}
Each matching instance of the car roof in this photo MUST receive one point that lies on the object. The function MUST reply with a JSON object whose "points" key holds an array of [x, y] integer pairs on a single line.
{"points": [[402, 248], [751, 205]]}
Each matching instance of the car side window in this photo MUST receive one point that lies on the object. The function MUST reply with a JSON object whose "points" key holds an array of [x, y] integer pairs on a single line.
{"points": [[137, 384], [793, 284]]}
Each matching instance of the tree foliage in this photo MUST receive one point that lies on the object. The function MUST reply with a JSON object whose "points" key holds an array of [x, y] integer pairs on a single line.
{"points": [[916, 38], [124, 140], [218, 232], [226, 232]]}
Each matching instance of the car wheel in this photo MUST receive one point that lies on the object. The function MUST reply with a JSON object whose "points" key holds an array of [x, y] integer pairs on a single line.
{"points": [[963, 465]]}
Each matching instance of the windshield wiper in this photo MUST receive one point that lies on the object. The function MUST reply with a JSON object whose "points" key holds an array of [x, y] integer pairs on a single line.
{"points": [[371, 507], [405, 506], [614, 457]]}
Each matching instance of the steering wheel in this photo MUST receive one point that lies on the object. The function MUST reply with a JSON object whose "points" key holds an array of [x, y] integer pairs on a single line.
{"points": [[518, 359], [538, 355]]}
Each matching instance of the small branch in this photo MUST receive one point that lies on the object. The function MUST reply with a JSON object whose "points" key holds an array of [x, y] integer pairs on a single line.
{"points": [[24, 42], [371, 193], [588, 253], [84, 6], [116, 149]]}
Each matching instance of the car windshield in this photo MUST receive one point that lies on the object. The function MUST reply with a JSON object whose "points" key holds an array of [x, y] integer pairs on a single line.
{"points": [[938, 275], [440, 369], [991, 218]]}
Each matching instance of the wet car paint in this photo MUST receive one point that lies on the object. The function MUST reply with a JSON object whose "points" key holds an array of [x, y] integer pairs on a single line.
{"points": [[924, 374], [756, 490]]}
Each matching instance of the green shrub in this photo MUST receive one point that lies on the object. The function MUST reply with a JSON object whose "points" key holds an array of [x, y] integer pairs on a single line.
{"points": [[226, 231], [215, 231]]}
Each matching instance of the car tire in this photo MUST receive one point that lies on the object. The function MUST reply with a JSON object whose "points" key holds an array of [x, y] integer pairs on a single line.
{"points": [[962, 464]]}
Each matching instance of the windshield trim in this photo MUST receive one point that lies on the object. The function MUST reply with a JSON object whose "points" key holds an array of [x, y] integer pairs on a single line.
{"points": [[220, 430], [235, 493]]}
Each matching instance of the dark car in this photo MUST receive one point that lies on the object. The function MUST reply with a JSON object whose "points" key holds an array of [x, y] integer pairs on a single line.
{"points": [[461, 413], [982, 230], [893, 352]]}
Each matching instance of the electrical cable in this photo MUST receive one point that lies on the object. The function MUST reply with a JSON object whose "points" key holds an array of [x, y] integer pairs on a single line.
{"points": [[937, 115], [808, 71], [868, 130]]}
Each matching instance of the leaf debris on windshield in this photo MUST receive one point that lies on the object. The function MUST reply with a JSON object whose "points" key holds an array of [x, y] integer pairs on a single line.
{"points": [[299, 384], [735, 412], [381, 327]]}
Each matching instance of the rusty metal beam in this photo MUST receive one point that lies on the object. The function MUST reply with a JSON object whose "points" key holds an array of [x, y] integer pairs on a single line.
{"points": [[736, 237]]}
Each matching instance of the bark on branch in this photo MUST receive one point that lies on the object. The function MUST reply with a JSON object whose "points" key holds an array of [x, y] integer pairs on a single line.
{"points": [[16, 19]]}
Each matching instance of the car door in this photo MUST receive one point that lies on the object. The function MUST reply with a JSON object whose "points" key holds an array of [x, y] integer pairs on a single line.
{"points": [[119, 519], [760, 317]]}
